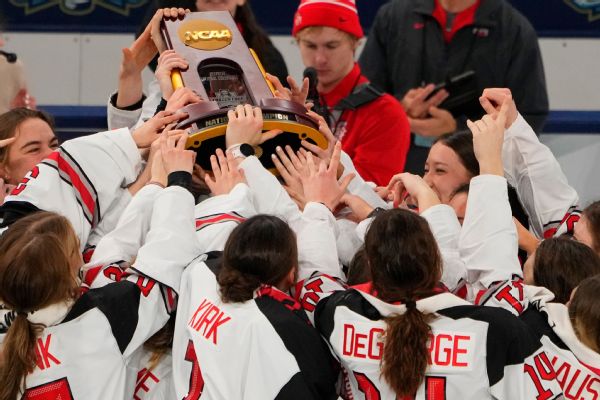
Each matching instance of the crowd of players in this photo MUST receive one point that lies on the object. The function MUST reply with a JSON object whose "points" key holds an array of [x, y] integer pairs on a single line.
{"points": [[126, 271]]}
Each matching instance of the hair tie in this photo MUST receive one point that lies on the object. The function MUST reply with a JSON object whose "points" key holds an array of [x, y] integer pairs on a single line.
{"points": [[21, 314], [410, 304]]}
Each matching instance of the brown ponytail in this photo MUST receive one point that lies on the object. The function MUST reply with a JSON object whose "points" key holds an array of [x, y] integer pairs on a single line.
{"points": [[405, 351], [19, 356], [36, 256], [261, 250], [405, 265]]}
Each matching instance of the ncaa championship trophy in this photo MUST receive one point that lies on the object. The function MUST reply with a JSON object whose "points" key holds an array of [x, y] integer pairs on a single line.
{"points": [[224, 72]]}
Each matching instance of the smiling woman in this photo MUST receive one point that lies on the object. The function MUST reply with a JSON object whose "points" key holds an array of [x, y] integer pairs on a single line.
{"points": [[34, 140]]}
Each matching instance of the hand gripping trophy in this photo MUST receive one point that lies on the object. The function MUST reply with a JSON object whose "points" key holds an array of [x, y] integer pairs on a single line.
{"points": [[224, 72]]}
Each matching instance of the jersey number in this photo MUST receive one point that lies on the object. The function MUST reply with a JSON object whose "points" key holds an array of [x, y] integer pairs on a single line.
{"points": [[542, 371], [435, 388], [196, 379], [58, 389]]}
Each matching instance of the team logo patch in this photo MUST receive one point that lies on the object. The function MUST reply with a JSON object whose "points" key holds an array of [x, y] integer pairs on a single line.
{"points": [[78, 7], [589, 7]]}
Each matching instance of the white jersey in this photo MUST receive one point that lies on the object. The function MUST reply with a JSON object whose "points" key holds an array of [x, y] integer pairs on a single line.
{"points": [[82, 180], [550, 202], [474, 352], [118, 317], [263, 348], [278, 354], [576, 367]]}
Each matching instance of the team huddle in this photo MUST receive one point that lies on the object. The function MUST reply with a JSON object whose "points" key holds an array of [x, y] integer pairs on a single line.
{"points": [[129, 272]]}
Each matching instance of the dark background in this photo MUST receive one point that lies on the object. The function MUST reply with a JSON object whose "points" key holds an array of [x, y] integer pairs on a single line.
{"points": [[551, 18]]}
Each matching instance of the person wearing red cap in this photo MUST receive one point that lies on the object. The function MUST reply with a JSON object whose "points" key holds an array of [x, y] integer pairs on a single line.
{"points": [[372, 126]]}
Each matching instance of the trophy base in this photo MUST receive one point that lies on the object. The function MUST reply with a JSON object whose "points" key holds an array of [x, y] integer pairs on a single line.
{"points": [[207, 133]]}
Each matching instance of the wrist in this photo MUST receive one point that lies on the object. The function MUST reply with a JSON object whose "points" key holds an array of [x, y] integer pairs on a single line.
{"points": [[241, 150], [180, 178], [156, 182], [491, 168], [326, 206]]}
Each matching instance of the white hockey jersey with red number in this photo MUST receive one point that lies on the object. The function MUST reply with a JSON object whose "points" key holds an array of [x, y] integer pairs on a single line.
{"points": [[263, 348], [474, 352], [89, 346]]}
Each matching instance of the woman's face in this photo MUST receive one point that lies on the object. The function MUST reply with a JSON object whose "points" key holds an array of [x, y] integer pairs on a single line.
{"points": [[444, 172], [219, 5], [35, 140]]}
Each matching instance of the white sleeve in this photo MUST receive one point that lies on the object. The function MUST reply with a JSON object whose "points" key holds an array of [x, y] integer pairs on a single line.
{"points": [[488, 242], [82, 178], [538, 178], [347, 240], [171, 243], [170, 246], [268, 194], [315, 232], [217, 216], [117, 118], [123, 242], [446, 230], [110, 219], [151, 103], [358, 186]]}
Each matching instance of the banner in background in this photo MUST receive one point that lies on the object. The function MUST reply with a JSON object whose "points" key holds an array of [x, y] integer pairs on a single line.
{"points": [[554, 18]]}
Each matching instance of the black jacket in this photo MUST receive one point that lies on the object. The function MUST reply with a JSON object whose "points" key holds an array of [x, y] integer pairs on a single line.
{"points": [[406, 48]]}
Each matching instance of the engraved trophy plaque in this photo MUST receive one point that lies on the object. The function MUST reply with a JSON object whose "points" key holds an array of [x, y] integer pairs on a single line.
{"points": [[224, 72]]}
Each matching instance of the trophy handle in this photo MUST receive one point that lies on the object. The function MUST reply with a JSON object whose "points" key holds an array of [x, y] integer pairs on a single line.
{"points": [[262, 70], [176, 79]]}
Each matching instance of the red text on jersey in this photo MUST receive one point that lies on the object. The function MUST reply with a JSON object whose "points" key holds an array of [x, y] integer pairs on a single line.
{"points": [[144, 377], [43, 357], [209, 318], [576, 383]]}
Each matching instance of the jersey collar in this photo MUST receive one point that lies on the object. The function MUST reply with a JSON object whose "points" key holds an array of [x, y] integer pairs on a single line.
{"points": [[427, 305]]}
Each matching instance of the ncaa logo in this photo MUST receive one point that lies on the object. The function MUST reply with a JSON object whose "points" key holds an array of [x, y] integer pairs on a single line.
{"points": [[78, 7], [589, 7]]}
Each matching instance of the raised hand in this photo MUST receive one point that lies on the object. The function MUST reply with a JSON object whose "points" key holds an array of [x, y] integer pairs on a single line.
{"points": [[320, 183], [360, 208], [407, 184], [167, 62], [146, 134], [174, 155], [488, 137], [181, 98], [491, 100], [226, 174], [296, 93], [154, 25], [291, 167], [245, 126]]}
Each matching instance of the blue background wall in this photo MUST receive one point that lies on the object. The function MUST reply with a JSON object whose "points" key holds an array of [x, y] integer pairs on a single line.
{"points": [[552, 18]]}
